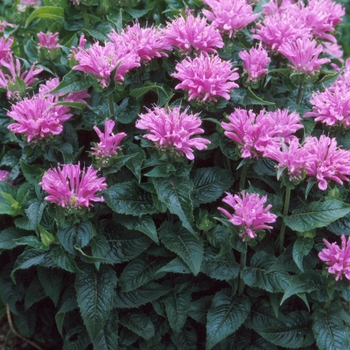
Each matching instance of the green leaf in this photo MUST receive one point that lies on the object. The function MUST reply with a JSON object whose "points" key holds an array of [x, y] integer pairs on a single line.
{"points": [[8, 236], [209, 184], [139, 323], [340, 226], [164, 92], [144, 224], [316, 214], [256, 100], [141, 296], [68, 303], [304, 282], [84, 233], [180, 241], [50, 12], [77, 105], [127, 111], [139, 271], [176, 308], [257, 274], [175, 192], [32, 241], [35, 212], [8, 204], [302, 246], [199, 309], [31, 257], [95, 296], [64, 260], [225, 316], [330, 331], [176, 265], [71, 82], [51, 280], [186, 339], [220, 267], [107, 339], [293, 332], [128, 198], [67, 238]]}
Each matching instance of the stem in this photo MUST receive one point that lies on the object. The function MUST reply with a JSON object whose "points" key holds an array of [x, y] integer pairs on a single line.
{"points": [[300, 93], [242, 262], [285, 212], [243, 176], [111, 109]]}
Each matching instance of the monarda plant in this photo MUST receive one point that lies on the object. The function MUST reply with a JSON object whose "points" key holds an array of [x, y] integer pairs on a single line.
{"points": [[175, 174]]}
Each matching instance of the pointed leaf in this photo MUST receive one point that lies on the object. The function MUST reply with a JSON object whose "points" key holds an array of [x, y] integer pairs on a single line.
{"points": [[174, 192], [225, 316], [95, 296], [128, 198], [176, 265], [51, 280], [8, 237], [180, 241], [64, 260], [107, 339], [50, 12], [316, 214], [302, 247], [139, 323]]}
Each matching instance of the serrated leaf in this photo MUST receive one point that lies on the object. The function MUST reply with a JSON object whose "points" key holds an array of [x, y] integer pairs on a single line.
{"points": [[139, 323], [220, 267], [95, 296], [7, 195], [176, 308], [139, 271], [257, 274], [302, 246], [180, 241], [8, 236], [199, 309], [107, 339], [35, 212], [32, 241], [258, 100], [164, 92], [330, 331], [68, 303], [176, 265], [316, 214], [186, 339], [64, 260], [225, 316], [128, 110], [51, 281], [50, 12], [144, 224], [293, 332], [340, 226], [209, 184], [71, 82], [128, 198], [141, 296], [304, 282], [175, 193]]}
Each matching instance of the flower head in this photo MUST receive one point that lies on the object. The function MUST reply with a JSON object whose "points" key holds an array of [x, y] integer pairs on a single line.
{"points": [[303, 55], [48, 40], [146, 43], [5, 47], [229, 16], [37, 118], [109, 143], [193, 34], [255, 62], [173, 130], [4, 174], [326, 162], [249, 213], [337, 258], [71, 187], [206, 78]]}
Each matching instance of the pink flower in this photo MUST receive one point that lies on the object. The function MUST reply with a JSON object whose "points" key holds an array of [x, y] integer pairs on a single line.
{"points": [[206, 78], [147, 43], [4, 174], [172, 130], [193, 34], [253, 133], [48, 40], [5, 47], [255, 62], [73, 188], [303, 54], [326, 162], [338, 259], [229, 16], [11, 71], [37, 118], [100, 61], [249, 213], [109, 143]]}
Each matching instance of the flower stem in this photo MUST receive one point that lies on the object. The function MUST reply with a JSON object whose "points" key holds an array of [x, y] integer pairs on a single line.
{"points": [[111, 109], [242, 262], [300, 93], [283, 226], [243, 176]]}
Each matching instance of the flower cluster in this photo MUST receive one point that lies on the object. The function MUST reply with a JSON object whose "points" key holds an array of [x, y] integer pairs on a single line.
{"points": [[48, 40], [71, 187], [206, 78], [173, 130], [337, 258], [249, 213]]}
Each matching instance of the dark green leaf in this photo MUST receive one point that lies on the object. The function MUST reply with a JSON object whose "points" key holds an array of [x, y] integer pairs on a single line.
{"points": [[256, 100], [95, 296], [180, 241], [139, 323], [35, 212], [63, 259], [127, 111], [71, 82], [199, 309], [51, 280], [8, 236], [164, 93], [340, 226], [107, 339], [50, 12], [225, 316], [176, 265], [302, 246]]}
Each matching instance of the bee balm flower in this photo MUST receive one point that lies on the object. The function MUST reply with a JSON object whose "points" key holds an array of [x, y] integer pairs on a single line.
{"points": [[249, 213], [73, 188]]}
